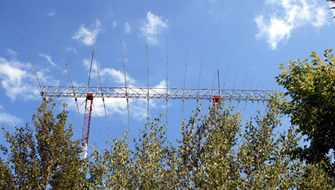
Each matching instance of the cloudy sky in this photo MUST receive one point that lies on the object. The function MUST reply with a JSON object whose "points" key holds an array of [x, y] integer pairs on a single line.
{"points": [[246, 40]]}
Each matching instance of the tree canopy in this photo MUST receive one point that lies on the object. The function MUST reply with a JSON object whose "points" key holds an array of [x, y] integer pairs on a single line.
{"points": [[218, 150], [42, 156], [309, 101]]}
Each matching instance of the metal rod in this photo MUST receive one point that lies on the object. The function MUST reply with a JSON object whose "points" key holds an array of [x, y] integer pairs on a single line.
{"points": [[68, 71], [31, 61], [219, 82], [89, 75], [125, 79], [182, 112], [146, 48], [245, 77], [102, 93], [167, 81], [224, 84], [199, 80], [234, 85]]}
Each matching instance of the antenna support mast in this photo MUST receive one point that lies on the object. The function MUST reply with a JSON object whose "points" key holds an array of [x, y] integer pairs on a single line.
{"points": [[87, 120]]}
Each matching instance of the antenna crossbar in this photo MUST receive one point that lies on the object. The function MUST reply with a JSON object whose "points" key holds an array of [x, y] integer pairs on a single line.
{"points": [[159, 93]]}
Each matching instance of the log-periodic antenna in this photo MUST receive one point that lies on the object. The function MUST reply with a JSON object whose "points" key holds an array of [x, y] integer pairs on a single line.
{"points": [[146, 93]]}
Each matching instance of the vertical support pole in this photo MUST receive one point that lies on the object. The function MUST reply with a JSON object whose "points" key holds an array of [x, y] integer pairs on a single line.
{"points": [[216, 101], [87, 120]]}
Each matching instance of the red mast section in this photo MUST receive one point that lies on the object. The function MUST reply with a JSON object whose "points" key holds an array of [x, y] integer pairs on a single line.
{"points": [[88, 112], [87, 118]]}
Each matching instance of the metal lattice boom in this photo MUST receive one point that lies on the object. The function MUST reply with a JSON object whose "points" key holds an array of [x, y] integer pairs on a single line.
{"points": [[158, 93]]}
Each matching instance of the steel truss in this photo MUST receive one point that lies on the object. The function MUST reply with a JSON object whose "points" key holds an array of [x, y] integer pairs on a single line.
{"points": [[158, 93]]}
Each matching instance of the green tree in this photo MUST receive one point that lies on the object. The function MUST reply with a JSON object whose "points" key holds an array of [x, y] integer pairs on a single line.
{"points": [[309, 101], [42, 157], [216, 151]]}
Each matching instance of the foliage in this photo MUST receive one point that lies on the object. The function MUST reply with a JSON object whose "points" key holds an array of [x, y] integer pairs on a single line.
{"points": [[208, 156], [216, 151], [315, 177], [43, 157], [310, 103]]}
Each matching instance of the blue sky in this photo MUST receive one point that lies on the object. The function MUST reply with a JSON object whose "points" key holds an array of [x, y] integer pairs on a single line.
{"points": [[246, 40]]}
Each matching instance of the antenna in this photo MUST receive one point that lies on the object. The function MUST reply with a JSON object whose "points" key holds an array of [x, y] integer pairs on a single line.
{"points": [[233, 86], [217, 67], [31, 61], [224, 84], [167, 80], [146, 48], [249, 89], [182, 112], [245, 77], [219, 82], [199, 81], [102, 93], [146, 92], [125, 78], [68, 71]]}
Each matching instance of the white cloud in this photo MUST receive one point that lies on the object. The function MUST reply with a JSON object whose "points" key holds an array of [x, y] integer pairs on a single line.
{"points": [[9, 119], [114, 24], [52, 13], [48, 58], [19, 81], [118, 106], [71, 49], [127, 27], [287, 15], [12, 53], [117, 76], [152, 27], [110, 74], [85, 35], [16, 80]]}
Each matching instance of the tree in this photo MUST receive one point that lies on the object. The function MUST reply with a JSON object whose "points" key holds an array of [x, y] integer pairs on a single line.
{"points": [[216, 151], [44, 157], [228, 155], [309, 101]]}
